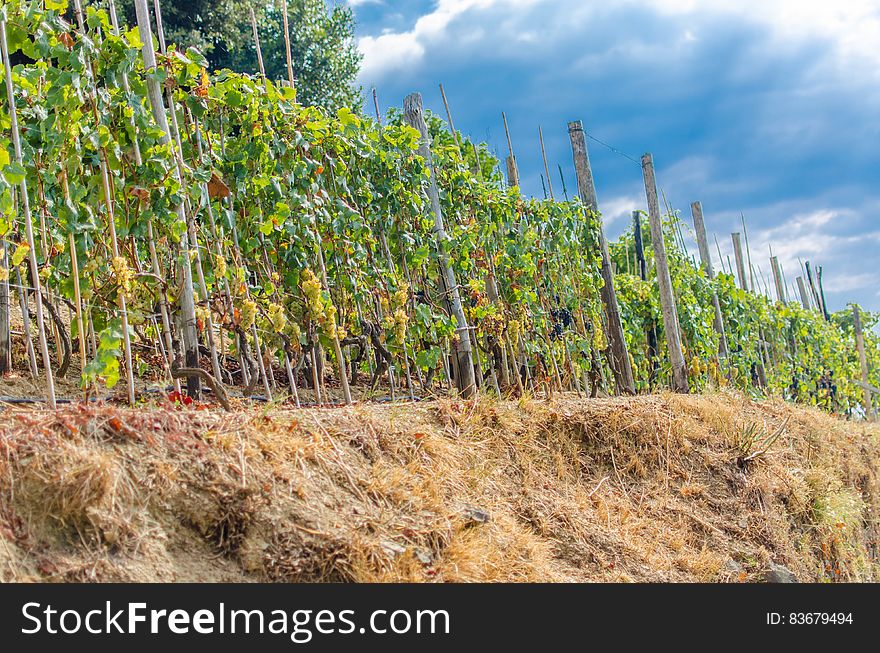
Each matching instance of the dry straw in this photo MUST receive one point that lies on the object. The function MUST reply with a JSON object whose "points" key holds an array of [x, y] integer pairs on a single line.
{"points": [[629, 489]]}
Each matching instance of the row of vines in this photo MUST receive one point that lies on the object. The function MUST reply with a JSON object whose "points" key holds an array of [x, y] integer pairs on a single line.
{"points": [[298, 249]]}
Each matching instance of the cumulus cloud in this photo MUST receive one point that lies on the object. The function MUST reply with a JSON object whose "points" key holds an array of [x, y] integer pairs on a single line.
{"points": [[617, 211], [388, 53], [852, 26]]}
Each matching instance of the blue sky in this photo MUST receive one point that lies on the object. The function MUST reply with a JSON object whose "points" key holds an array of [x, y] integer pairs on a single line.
{"points": [[770, 108]]}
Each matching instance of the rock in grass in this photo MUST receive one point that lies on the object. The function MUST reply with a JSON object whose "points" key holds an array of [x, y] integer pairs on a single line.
{"points": [[779, 574], [474, 516], [423, 556]]}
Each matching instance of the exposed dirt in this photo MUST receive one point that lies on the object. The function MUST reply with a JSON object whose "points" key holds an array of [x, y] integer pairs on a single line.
{"points": [[636, 489]]}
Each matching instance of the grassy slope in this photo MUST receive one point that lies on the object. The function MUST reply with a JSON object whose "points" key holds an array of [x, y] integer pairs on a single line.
{"points": [[642, 489]]}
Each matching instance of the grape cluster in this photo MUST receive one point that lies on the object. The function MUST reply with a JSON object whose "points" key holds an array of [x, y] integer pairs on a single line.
{"points": [[319, 308]]}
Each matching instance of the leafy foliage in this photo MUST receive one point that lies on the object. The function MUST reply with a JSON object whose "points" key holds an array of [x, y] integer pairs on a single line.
{"points": [[310, 226], [326, 60]]}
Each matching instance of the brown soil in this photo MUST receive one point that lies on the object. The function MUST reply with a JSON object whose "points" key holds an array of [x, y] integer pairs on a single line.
{"points": [[636, 489]]}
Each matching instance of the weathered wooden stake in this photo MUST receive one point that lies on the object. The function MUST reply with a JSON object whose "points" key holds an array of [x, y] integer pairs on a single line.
{"points": [[414, 117], [706, 260], [777, 279], [642, 264], [740, 261], [863, 361], [784, 283], [257, 45], [546, 168], [817, 301], [26, 215], [111, 220], [664, 280], [512, 170], [191, 222], [621, 365], [151, 241], [80, 322], [26, 323], [720, 256], [290, 77], [188, 323], [5, 333], [449, 118], [819, 275], [748, 253], [475, 349], [805, 297]]}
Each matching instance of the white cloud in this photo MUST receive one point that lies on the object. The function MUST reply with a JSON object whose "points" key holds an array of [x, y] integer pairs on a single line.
{"points": [[394, 51], [620, 208], [851, 26], [850, 282]]}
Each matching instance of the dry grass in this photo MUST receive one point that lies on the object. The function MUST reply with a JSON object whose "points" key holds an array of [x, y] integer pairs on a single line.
{"points": [[636, 489]]}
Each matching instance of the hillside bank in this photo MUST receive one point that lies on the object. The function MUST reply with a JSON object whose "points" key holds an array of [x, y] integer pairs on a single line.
{"points": [[651, 488]]}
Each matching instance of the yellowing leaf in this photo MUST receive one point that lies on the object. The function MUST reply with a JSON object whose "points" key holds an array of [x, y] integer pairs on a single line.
{"points": [[20, 253]]}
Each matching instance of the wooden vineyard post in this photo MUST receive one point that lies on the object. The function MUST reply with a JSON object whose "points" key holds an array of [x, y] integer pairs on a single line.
{"points": [[706, 260], [784, 283], [337, 346], [643, 275], [619, 356], [814, 288], [478, 365], [546, 168], [748, 253], [26, 214], [777, 279], [26, 323], [259, 49], [863, 362], [740, 262], [384, 243], [664, 280], [805, 297], [822, 294], [111, 220], [151, 240], [414, 117], [720, 256], [512, 170], [193, 237], [80, 322], [449, 119], [188, 323], [5, 333], [290, 78]]}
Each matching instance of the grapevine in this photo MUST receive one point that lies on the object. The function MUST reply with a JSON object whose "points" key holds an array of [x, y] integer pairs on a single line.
{"points": [[303, 230]]}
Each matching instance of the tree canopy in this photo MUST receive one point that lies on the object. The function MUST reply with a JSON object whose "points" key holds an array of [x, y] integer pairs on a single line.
{"points": [[325, 57]]}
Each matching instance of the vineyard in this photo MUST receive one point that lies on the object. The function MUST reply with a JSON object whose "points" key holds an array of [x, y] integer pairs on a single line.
{"points": [[163, 226]]}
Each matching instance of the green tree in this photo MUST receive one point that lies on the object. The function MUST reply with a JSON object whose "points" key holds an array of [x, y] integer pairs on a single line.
{"points": [[325, 57], [326, 60]]}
